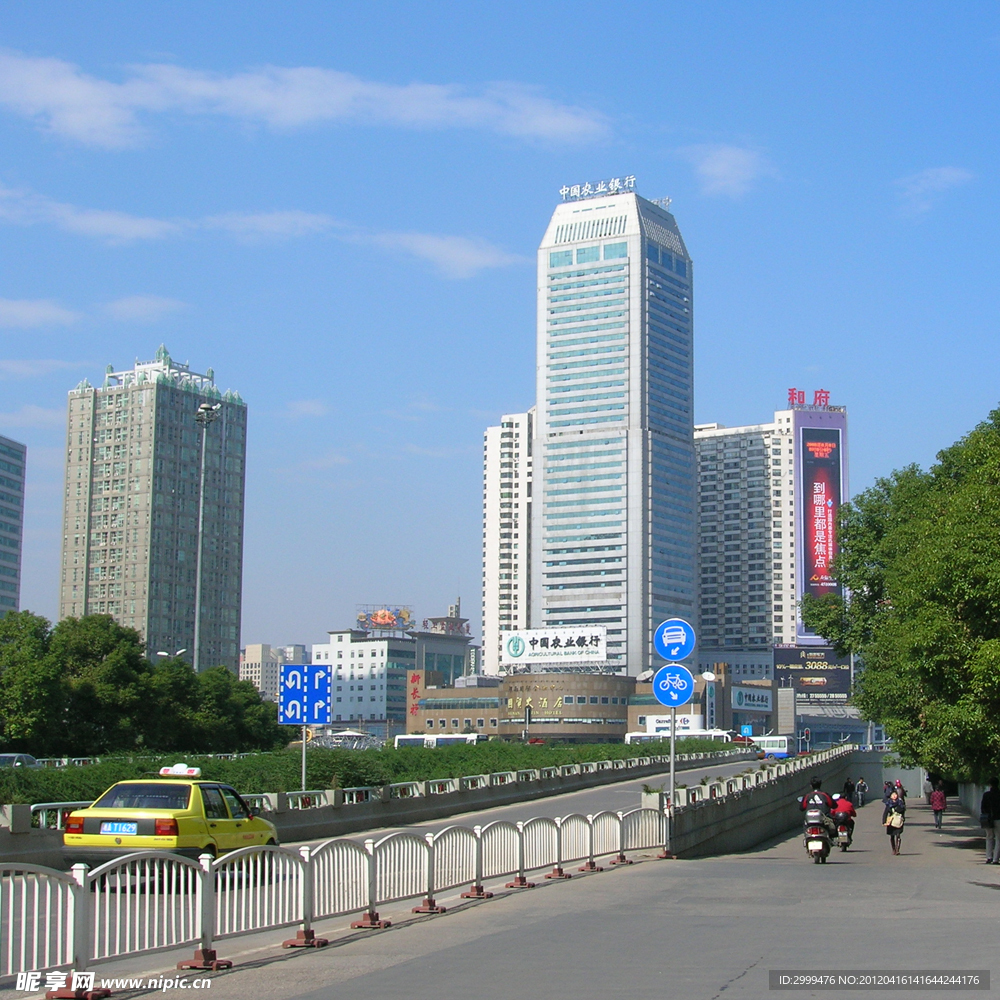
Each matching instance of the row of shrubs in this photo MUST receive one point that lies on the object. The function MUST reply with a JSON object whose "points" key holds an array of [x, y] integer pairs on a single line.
{"points": [[281, 771]]}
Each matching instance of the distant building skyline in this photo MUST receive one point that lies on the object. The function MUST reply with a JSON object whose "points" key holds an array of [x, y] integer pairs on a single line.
{"points": [[130, 522], [13, 465]]}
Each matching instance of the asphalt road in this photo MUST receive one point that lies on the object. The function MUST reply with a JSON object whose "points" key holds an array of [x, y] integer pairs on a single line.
{"points": [[620, 796], [665, 930]]}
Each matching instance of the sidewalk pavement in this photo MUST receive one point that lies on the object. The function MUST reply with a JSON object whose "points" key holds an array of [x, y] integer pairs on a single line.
{"points": [[669, 930]]}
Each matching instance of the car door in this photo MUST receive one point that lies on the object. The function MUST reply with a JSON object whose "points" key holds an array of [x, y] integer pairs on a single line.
{"points": [[246, 831], [221, 826]]}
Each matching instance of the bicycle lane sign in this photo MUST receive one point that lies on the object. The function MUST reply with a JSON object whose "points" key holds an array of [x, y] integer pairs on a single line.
{"points": [[673, 685]]}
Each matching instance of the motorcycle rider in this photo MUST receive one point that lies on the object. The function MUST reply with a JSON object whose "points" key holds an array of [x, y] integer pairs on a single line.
{"points": [[818, 799], [844, 813]]}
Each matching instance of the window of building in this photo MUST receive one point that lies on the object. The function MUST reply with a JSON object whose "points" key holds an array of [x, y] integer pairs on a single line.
{"points": [[642, 720], [467, 723], [480, 723], [614, 701], [653, 253], [454, 723], [586, 255], [568, 699], [560, 258], [605, 701], [612, 251], [443, 723], [593, 699], [430, 723], [493, 723]]}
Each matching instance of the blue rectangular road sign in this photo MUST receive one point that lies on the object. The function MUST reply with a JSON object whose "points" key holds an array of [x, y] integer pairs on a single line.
{"points": [[305, 695], [746, 730]]}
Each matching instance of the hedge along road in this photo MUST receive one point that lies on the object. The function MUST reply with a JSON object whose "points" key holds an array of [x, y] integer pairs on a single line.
{"points": [[617, 797]]}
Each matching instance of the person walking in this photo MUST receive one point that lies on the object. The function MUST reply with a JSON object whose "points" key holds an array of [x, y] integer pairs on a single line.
{"points": [[939, 802], [848, 791], [928, 788], [860, 788], [893, 817], [989, 813]]}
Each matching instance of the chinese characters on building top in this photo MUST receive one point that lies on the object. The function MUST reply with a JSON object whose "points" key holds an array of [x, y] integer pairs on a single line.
{"points": [[556, 645], [614, 185], [797, 397]]}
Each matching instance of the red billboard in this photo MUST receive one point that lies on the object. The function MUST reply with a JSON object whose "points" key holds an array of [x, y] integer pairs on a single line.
{"points": [[821, 497]]}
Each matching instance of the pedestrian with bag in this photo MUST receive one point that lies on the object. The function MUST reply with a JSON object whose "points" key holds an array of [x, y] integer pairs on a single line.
{"points": [[893, 817], [989, 812], [939, 802]]}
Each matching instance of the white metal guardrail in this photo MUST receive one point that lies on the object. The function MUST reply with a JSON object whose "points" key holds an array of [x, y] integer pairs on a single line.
{"points": [[152, 901]]}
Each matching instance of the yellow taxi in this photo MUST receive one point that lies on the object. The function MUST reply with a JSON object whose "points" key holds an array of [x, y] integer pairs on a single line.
{"points": [[178, 813]]}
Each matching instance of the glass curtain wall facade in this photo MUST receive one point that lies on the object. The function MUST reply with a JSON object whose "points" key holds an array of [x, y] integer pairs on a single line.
{"points": [[130, 521], [13, 456], [614, 528]]}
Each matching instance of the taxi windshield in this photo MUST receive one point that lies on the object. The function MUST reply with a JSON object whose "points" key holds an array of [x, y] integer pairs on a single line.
{"points": [[144, 796]]}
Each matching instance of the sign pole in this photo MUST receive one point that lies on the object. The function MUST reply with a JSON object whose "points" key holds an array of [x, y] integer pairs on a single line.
{"points": [[673, 758], [303, 758]]}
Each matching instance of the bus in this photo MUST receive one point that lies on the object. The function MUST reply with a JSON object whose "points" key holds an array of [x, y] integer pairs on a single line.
{"points": [[772, 746], [718, 735], [432, 742]]}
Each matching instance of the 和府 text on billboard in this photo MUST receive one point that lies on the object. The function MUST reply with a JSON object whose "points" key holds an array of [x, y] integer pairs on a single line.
{"points": [[821, 496]]}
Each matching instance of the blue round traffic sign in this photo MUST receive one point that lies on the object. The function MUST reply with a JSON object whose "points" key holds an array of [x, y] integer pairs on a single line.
{"points": [[673, 685], [674, 639]]}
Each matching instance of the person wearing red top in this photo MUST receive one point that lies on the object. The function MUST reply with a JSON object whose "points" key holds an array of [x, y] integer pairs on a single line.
{"points": [[844, 812], [939, 802]]}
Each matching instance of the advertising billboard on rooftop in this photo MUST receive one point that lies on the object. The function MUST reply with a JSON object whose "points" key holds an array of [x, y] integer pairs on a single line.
{"points": [[820, 489]]}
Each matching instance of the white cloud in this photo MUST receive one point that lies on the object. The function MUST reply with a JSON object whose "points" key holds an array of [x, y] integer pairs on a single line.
{"points": [[33, 416], [728, 170], [279, 224], [308, 408], [34, 368], [30, 313], [27, 208], [453, 256], [73, 104], [142, 308], [917, 191]]}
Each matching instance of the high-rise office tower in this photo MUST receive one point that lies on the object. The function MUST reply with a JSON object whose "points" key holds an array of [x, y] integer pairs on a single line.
{"points": [[769, 495], [135, 480], [506, 531], [614, 531], [12, 465]]}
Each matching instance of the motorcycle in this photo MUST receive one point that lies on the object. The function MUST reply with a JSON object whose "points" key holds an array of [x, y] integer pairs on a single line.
{"points": [[817, 836], [844, 836]]}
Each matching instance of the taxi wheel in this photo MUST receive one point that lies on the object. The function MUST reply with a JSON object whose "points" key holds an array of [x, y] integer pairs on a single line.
{"points": [[272, 843], [209, 849]]}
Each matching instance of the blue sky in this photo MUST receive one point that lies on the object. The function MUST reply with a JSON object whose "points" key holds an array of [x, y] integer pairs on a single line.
{"points": [[336, 206]]}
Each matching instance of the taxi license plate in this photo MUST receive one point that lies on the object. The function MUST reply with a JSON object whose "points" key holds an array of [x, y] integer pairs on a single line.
{"points": [[119, 829], [815, 845]]}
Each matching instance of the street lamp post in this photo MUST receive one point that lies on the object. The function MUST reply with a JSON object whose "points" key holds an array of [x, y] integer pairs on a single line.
{"points": [[207, 412]]}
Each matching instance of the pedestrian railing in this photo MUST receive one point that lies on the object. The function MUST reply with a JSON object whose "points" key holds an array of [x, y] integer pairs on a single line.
{"points": [[152, 901]]}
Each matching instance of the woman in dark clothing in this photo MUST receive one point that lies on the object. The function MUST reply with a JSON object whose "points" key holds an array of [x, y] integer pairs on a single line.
{"points": [[893, 817]]}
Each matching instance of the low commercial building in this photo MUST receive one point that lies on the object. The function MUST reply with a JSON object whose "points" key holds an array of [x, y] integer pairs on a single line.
{"points": [[260, 663], [565, 707]]}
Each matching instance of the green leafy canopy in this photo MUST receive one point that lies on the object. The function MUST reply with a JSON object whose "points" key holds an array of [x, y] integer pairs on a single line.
{"points": [[920, 559]]}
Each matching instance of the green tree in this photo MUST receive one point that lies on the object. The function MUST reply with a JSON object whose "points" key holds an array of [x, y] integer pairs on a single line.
{"points": [[919, 558], [231, 717], [32, 702]]}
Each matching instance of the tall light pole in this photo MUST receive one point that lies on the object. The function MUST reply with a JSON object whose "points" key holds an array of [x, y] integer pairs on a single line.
{"points": [[207, 412]]}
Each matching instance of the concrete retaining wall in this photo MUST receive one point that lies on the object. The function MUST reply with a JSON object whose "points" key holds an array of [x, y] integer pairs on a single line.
{"points": [[746, 818]]}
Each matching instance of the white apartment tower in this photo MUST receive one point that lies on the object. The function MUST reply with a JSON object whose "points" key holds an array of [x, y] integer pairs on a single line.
{"points": [[769, 495], [130, 520], [613, 520], [506, 531]]}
